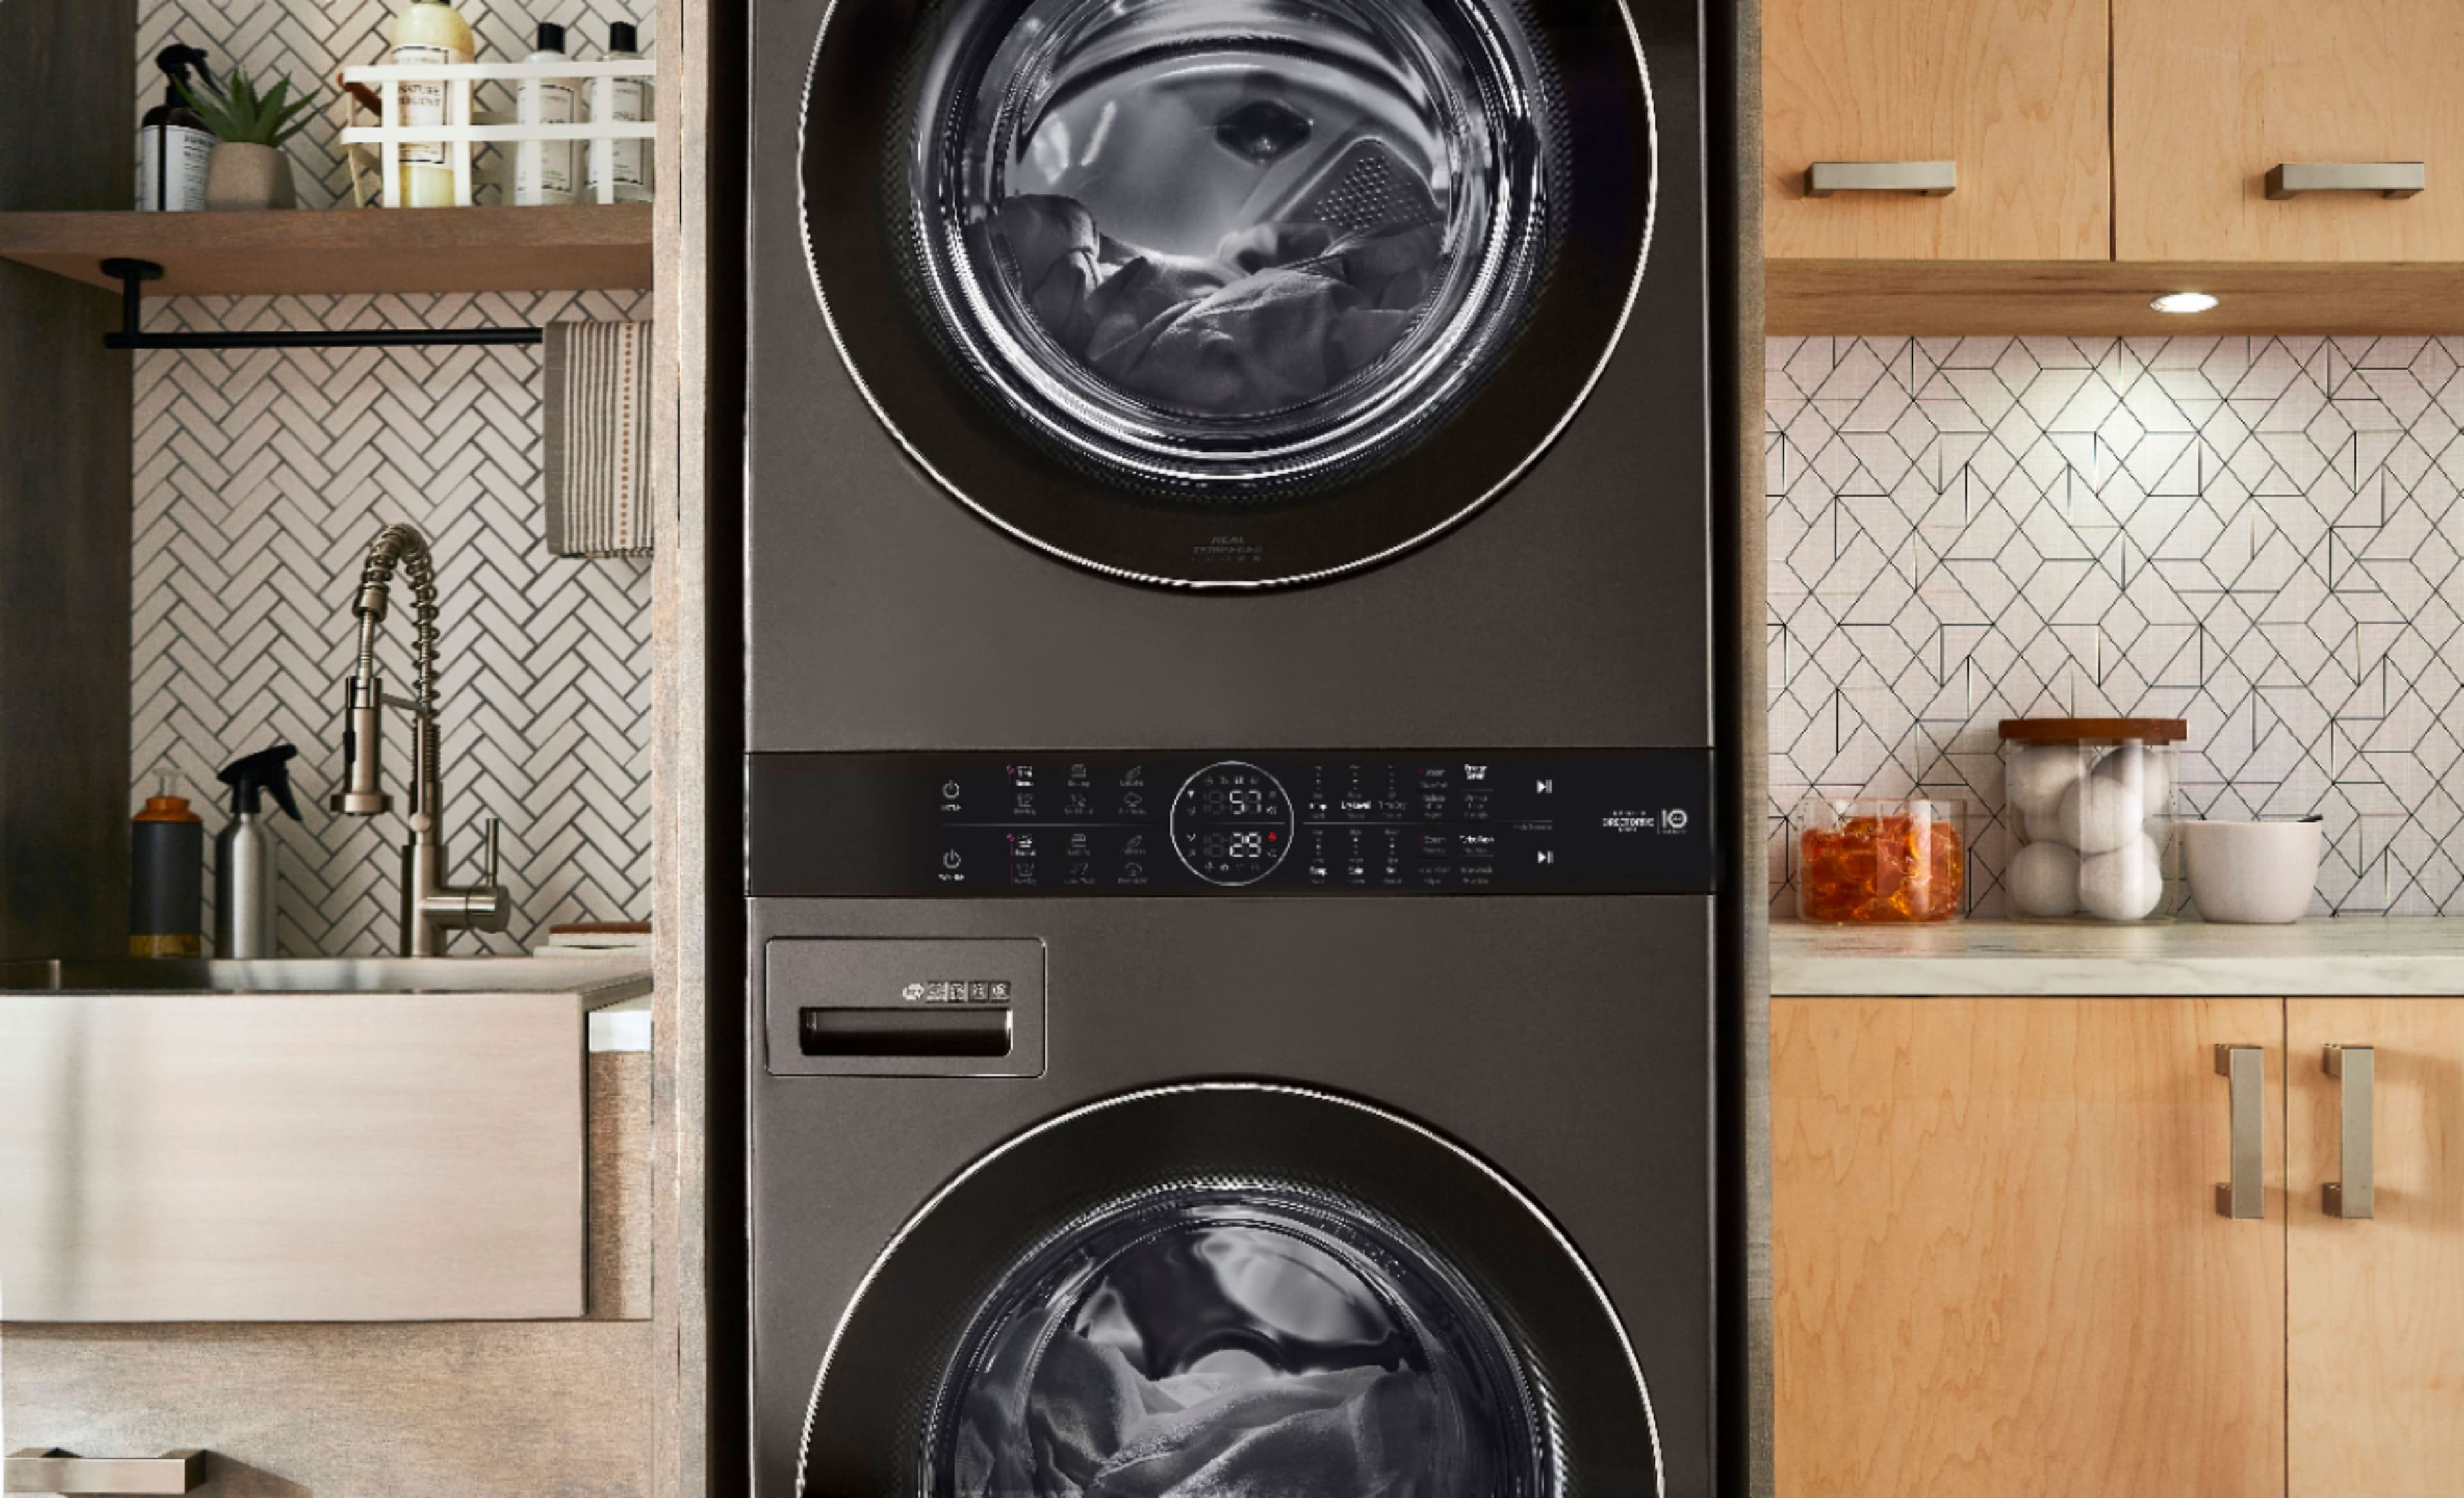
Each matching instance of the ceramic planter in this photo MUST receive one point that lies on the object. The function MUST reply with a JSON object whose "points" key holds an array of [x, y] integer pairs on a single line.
{"points": [[246, 176]]}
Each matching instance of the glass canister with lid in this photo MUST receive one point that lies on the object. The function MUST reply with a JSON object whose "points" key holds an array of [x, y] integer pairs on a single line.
{"points": [[2091, 801], [1865, 860]]}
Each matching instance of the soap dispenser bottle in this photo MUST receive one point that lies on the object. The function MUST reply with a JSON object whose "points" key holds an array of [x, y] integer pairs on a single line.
{"points": [[166, 854], [248, 878], [174, 149]]}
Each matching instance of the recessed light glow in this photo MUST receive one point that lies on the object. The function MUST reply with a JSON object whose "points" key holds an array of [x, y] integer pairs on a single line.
{"points": [[2183, 301]]}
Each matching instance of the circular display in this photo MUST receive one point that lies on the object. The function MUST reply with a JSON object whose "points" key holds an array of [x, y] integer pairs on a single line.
{"points": [[1205, 292], [1229, 1287], [1232, 824]]}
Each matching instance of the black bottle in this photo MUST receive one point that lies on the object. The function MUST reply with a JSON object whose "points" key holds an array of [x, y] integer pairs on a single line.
{"points": [[166, 878], [174, 149]]}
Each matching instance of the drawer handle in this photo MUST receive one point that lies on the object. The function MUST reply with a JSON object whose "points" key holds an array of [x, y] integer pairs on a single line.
{"points": [[2244, 1196], [2356, 1070], [36, 1471], [2386, 179], [1924, 179]]}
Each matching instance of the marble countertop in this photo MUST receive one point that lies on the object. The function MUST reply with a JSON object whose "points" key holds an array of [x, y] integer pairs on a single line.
{"points": [[2361, 956]]}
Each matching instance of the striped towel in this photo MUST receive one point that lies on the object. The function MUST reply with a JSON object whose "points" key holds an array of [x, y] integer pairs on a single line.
{"points": [[598, 439]]}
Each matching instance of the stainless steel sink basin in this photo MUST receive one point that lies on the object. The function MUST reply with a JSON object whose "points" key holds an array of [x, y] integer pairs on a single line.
{"points": [[602, 980]]}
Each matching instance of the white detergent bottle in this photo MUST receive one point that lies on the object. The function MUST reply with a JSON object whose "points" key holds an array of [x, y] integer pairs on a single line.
{"points": [[628, 100], [543, 169], [428, 32]]}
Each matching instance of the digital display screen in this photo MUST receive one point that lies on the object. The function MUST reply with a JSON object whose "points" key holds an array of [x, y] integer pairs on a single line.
{"points": [[1145, 824]]}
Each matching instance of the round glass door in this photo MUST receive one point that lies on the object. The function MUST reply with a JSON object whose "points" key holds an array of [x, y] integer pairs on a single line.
{"points": [[1229, 1290], [1227, 291]]}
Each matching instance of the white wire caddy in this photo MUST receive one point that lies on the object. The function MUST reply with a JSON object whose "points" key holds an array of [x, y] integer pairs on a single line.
{"points": [[461, 132]]}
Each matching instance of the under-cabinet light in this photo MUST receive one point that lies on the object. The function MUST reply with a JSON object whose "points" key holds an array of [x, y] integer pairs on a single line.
{"points": [[2183, 301]]}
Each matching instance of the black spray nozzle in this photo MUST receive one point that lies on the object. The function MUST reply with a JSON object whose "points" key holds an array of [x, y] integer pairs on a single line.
{"points": [[175, 61], [266, 770]]}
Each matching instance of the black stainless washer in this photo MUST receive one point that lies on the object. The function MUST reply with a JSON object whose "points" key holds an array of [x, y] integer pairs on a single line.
{"points": [[1209, 295]]}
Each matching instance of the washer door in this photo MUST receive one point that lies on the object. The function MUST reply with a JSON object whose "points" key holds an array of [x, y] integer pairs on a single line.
{"points": [[1226, 293], [1229, 1288]]}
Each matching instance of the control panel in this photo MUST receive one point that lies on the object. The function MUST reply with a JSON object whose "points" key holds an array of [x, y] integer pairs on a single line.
{"points": [[1113, 822]]}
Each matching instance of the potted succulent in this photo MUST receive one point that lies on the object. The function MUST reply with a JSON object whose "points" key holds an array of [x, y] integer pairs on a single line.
{"points": [[250, 169]]}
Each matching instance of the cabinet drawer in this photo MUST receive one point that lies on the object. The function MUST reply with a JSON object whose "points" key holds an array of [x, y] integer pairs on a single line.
{"points": [[2011, 93], [2209, 96]]}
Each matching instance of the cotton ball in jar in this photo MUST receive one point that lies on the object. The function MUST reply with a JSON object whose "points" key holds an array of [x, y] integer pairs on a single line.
{"points": [[2144, 771], [2098, 816], [2123, 884], [2044, 879], [2036, 779]]}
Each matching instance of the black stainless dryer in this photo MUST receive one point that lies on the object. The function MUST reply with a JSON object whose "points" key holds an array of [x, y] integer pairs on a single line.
{"points": [[1231, 834]]}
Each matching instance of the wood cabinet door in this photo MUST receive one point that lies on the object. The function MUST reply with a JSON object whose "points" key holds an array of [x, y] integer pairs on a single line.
{"points": [[2208, 95], [2374, 1375], [2013, 91], [1999, 1269]]}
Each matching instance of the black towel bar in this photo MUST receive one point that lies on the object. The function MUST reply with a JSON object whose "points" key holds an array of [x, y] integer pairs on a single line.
{"points": [[133, 274]]}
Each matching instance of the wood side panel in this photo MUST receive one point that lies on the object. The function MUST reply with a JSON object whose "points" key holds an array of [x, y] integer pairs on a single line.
{"points": [[2375, 1308], [2210, 94], [2013, 90], [65, 433], [1999, 1268]]}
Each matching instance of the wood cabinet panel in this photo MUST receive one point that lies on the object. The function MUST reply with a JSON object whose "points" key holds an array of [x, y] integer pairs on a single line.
{"points": [[2210, 94], [1998, 1266], [2013, 91], [2375, 1307]]}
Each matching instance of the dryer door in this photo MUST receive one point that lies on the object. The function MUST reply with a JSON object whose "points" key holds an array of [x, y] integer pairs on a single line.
{"points": [[1230, 1288], [1226, 293]]}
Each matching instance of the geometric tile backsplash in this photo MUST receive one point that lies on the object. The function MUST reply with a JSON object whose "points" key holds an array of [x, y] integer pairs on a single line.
{"points": [[2260, 536], [261, 476]]}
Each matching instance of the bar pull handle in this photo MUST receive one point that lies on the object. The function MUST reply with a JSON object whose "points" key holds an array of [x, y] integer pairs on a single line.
{"points": [[39, 1470], [2245, 1068], [2356, 1070], [2386, 179], [1924, 179]]}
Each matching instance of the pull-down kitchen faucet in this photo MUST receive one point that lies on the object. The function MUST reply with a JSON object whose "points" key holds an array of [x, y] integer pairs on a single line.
{"points": [[432, 910]]}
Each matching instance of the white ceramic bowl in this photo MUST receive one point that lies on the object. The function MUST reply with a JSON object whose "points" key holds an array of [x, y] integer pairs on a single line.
{"points": [[2253, 873]]}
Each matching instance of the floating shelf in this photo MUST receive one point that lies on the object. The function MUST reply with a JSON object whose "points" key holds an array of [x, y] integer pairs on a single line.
{"points": [[586, 247], [2107, 297]]}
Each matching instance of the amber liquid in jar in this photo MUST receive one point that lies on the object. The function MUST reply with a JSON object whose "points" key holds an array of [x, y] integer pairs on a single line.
{"points": [[1896, 869]]}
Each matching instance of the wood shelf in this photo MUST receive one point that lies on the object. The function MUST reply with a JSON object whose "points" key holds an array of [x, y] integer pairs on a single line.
{"points": [[583, 247], [2106, 297]]}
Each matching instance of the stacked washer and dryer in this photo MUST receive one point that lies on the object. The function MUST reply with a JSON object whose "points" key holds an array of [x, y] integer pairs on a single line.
{"points": [[1231, 838]]}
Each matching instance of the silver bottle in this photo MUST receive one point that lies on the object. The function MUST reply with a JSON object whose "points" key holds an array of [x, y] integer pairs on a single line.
{"points": [[248, 857]]}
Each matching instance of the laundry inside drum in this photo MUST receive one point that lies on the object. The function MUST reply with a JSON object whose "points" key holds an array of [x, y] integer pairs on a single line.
{"points": [[1228, 210], [1228, 1344]]}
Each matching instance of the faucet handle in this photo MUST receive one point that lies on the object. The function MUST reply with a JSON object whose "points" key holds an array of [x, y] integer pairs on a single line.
{"points": [[488, 880]]}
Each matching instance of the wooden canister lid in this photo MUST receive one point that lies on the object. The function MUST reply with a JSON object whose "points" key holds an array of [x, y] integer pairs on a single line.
{"points": [[2070, 730]]}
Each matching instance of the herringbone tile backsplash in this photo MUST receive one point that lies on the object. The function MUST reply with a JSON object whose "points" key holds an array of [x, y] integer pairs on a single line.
{"points": [[2261, 537], [260, 477], [310, 41]]}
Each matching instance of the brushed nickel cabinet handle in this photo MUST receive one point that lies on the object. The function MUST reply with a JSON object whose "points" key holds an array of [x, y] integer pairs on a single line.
{"points": [[2244, 1196], [36, 1471], [1924, 179], [2355, 1069], [2386, 179]]}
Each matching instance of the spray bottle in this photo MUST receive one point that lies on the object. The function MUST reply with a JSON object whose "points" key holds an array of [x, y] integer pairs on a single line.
{"points": [[247, 877]]}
